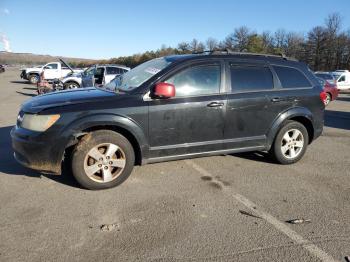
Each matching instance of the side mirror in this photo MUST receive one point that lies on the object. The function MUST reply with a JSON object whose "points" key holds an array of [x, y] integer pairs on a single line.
{"points": [[164, 90], [46, 67]]}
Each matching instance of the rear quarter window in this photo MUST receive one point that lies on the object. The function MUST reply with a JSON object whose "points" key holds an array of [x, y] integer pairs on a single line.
{"points": [[291, 77]]}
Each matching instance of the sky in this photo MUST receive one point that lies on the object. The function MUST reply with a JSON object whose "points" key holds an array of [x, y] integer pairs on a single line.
{"points": [[106, 28]]}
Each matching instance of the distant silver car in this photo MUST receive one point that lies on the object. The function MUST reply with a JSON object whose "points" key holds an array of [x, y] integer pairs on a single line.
{"points": [[327, 77], [95, 75]]}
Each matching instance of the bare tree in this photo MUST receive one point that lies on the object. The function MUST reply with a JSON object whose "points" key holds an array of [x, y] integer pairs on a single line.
{"points": [[211, 44], [184, 47], [280, 39], [293, 44], [196, 46], [315, 47], [333, 26], [267, 42], [241, 38]]}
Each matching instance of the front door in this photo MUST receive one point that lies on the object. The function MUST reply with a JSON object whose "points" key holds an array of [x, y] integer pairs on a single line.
{"points": [[193, 120], [343, 82], [51, 71]]}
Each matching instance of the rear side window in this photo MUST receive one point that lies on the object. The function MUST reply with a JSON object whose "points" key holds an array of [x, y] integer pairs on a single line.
{"points": [[112, 70], [291, 77], [250, 78], [197, 80]]}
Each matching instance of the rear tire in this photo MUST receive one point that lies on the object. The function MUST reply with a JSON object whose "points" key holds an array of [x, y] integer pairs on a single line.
{"points": [[33, 79], [102, 159], [290, 143], [328, 99]]}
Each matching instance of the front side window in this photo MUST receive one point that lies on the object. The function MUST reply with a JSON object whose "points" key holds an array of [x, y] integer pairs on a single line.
{"points": [[250, 78], [341, 79], [197, 80], [51, 66], [291, 77], [99, 71]]}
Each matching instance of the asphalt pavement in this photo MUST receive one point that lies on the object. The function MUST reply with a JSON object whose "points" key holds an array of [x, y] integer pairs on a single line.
{"points": [[222, 208]]}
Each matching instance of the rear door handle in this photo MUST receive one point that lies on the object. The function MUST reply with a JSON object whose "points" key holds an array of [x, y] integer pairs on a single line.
{"points": [[277, 99], [285, 99], [215, 104]]}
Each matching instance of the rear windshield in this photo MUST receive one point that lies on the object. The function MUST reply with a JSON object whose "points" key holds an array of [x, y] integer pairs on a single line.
{"points": [[325, 76], [291, 77]]}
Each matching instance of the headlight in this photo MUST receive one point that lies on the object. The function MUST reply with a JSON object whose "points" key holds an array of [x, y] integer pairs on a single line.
{"points": [[38, 123]]}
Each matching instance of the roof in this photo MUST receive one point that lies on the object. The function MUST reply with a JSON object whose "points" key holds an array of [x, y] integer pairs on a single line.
{"points": [[229, 53]]}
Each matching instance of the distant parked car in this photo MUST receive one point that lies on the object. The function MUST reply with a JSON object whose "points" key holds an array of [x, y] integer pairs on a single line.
{"points": [[330, 89], [327, 76], [99, 75], [2, 68], [94, 75], [343, 81]]}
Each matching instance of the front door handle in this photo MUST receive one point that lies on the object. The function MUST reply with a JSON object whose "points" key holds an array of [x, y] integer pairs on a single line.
{"points": [[215, 104]]}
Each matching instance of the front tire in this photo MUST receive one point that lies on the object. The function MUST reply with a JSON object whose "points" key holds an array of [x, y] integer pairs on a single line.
{"points": [[103, 159], [33, 79], [290, 143], [71, 85]]}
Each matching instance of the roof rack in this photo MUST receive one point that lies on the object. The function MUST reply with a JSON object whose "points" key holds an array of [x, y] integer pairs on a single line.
{"points": [[230, 52]]}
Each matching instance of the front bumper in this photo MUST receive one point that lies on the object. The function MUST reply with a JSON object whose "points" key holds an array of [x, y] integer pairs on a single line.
{"points": [[24, 75], [34, 152]]}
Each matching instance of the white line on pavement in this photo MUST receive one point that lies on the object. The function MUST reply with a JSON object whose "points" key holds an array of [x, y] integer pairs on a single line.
{"points": [[280, 226]]}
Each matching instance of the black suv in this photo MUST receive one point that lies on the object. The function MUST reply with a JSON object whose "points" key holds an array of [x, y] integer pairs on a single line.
{"points": [[173, 108]]}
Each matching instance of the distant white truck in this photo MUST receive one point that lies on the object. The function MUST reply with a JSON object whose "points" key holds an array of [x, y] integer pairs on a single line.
{"points": [[50, 71], [343, 79]]}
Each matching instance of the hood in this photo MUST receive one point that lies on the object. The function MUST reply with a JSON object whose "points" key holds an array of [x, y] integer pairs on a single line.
{"points": [[66, 64], [31, 69], [62, 98], [74, 74]]}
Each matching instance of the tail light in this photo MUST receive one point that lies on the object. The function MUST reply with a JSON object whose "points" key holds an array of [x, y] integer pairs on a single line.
{"points": [[323, 97]]}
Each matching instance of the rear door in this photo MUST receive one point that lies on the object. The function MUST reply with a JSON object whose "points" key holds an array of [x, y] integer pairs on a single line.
{"points": [[193, 121], [249, 111], [293, 89]]}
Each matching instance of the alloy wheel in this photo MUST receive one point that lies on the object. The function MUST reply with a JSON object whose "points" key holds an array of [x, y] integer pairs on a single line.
{"points": [[104, 162], [292, 143]]}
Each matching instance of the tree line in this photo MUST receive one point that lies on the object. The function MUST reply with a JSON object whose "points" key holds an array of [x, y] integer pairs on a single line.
{"points": [[325, 47]]}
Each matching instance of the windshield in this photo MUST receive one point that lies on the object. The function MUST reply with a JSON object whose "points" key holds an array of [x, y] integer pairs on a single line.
{"points": [[138, 75]]}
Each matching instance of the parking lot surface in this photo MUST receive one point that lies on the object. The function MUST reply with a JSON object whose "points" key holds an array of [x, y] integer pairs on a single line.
{"points": [[222, 208]]}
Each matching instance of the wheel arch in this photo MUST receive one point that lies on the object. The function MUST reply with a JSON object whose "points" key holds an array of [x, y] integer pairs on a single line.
{"points": [[120, 124], [298, 114]]}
